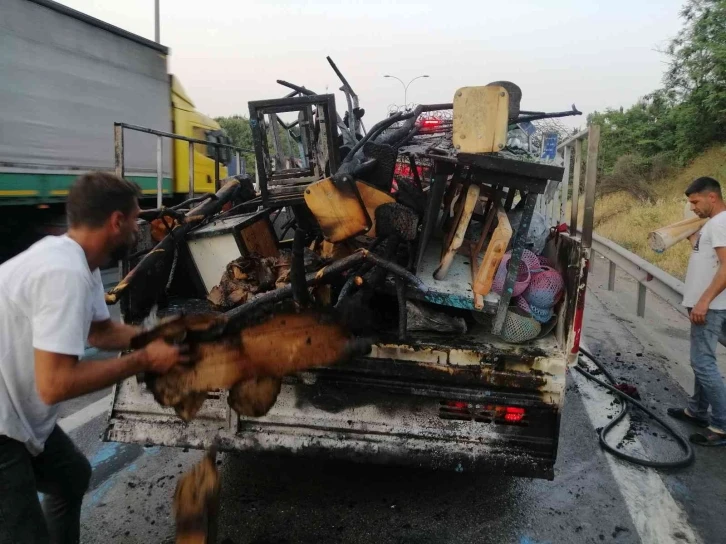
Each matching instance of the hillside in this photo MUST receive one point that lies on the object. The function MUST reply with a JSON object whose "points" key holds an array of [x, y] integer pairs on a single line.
{"points": [[627, 221]]}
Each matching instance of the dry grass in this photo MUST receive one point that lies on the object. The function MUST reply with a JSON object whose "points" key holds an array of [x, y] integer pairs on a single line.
{"points": [[627, 221]]}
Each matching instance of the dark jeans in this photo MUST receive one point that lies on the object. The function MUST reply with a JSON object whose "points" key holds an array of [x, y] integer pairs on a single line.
{"points": [[61, 473]]}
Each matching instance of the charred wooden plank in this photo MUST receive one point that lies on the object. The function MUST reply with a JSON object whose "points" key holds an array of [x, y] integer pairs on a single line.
{"points": [[277, 345], [196, 502], [322, 276], [166, 247]]}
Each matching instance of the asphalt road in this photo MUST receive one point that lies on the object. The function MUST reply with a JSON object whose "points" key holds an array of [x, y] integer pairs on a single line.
{"points": [[594, 497]]}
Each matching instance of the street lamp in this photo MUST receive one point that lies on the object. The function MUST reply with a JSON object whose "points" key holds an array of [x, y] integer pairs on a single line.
{"points": [[405, 87], [157, 23]]}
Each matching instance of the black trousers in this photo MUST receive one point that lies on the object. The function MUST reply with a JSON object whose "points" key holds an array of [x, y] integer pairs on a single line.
{"points": [[61, 473]]}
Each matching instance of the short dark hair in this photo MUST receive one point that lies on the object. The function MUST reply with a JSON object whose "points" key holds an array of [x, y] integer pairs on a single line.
{"points": [[94, 196], [704, 185]]}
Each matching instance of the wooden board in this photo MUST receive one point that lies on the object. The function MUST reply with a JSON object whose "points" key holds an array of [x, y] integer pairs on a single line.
{"points": [[259, 238], [339, 212], [666, 237], [480, 119], [483, 274], [454, 241], [196, 503]]}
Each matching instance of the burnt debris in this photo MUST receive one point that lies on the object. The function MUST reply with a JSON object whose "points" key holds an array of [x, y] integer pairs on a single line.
{"points": [[397, 231]]}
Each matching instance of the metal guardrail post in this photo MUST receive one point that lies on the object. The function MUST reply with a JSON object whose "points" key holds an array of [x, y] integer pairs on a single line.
{"points": [[576, 187], [191, 170], [641, 300], [611, 276], [118, 148], [565, 185], [159, 173], [588, 218], [216, 168]]}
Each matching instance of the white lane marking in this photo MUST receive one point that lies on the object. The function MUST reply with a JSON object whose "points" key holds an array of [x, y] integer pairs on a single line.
{"points": [[84, 415], [656, 515]]}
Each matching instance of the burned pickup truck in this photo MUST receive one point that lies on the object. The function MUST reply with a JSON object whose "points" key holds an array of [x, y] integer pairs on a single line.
{"points": [[406, 295]]}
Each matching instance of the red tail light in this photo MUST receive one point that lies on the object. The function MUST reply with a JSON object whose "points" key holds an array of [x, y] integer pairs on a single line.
{"points": [[513, 414], [483, 413], [430, 123]]}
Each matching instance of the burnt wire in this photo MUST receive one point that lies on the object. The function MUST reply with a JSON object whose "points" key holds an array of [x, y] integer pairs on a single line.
{"points": [[689, 455]]}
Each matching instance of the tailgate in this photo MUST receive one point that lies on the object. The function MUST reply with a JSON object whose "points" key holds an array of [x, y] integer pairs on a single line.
{"points": [[409, 404]]}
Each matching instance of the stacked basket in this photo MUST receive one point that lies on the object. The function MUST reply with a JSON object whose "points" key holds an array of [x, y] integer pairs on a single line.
{"points": [[536, 291]]}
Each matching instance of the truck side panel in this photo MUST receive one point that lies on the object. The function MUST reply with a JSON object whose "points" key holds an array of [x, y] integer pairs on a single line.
{"points": [[65, 82]]}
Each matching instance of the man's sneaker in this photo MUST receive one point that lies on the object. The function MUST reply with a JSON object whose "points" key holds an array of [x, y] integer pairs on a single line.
{"points": [[680, 413], [709, 438]]}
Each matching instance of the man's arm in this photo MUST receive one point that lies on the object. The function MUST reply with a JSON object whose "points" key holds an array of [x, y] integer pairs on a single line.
{"points": [[110, 335], [718, 284], [60, 377]]}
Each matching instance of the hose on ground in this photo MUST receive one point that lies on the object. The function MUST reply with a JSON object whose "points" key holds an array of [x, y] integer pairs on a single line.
{"points": [[685, 445]]}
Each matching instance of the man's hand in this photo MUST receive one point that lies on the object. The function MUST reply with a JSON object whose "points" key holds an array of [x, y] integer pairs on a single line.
{"points": [[162, 357], [698, 313]]}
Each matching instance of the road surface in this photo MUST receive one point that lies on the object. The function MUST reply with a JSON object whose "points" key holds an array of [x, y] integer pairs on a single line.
{"points": [[594, 497]]}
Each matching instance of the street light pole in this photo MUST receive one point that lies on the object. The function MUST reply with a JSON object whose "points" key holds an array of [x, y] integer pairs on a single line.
{"points": [[405, 87], [157, 27]]}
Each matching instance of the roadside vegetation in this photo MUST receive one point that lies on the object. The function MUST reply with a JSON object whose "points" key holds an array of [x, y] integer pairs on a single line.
{"points": [[650, 152]]}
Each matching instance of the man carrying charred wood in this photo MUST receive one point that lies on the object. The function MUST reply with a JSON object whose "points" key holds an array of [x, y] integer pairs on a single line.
{"points": [[51, 304], [705, 297]]}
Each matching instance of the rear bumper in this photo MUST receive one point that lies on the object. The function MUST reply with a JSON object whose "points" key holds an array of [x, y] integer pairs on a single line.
{"points": [[354, 424], [370, 448]]}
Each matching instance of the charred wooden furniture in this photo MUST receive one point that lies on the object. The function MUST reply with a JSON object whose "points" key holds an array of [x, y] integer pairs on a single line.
{"points": [[215, 244], [282, 185], [500, 177]]}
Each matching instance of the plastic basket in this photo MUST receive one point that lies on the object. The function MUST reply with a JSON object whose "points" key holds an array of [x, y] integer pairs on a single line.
{"points": [[545, 288]]}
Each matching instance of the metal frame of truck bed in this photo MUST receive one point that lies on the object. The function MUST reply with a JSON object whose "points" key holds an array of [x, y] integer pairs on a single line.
{"points": [[433, 401]]}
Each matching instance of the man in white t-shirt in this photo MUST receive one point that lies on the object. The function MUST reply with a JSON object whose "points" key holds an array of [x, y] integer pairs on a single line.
{"points": [[705, 297], [51, 303]]}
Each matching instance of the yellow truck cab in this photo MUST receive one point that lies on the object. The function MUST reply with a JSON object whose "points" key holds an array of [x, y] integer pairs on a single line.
{"points": [[189, 122]]}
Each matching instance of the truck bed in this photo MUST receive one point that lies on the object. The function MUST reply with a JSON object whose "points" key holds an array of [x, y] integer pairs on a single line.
{"points": [[434, 400]]}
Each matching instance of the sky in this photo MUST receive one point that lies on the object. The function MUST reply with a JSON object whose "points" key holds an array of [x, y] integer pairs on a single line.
{"points": [[591, 53]]}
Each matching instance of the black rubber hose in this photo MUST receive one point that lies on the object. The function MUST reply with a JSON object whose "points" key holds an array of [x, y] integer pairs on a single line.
{"points": [[689, 457]]}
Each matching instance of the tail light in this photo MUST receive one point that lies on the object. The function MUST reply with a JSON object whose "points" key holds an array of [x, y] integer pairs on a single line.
{"points": [[483, 413], [430, 123], [513, 414]]}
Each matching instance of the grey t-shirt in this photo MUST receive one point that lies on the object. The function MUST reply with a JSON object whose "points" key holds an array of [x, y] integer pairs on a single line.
{"points": [[48, 299], [704, 263]]}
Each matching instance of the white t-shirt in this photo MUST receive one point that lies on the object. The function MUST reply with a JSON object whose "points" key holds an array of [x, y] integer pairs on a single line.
{"points": [[704, 263], [48, 299]]}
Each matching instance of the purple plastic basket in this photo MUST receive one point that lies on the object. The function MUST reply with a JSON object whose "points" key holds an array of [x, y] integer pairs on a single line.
{"points": [[522, 304], [501, 276], [545, 288]]}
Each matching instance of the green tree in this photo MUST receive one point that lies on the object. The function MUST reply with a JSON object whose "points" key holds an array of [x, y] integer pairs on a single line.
{"points": [[238, 129], [688, 114], [696, 76]]}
